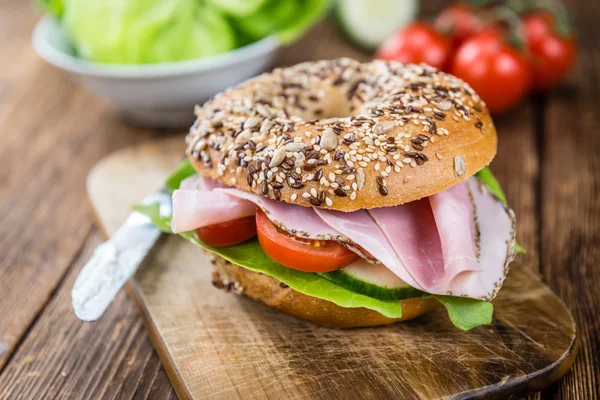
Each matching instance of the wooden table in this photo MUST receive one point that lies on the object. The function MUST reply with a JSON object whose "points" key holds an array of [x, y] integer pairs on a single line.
{"points": [[53, 132]]}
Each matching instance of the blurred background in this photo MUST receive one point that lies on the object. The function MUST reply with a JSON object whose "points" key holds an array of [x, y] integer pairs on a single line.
{"points": [[154, 59]]}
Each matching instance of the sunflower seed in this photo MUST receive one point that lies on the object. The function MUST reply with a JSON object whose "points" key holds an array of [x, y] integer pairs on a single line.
{"points": [[329, 140], [383, 127], [278, 157], [360, 178], [460, 166]]}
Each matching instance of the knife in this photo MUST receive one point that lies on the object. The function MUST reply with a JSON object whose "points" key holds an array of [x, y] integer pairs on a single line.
{"points": [[116, 260]]}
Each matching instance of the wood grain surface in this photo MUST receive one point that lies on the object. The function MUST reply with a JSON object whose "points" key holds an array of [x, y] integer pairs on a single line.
{"points": [[217, 345], [53, 131]]}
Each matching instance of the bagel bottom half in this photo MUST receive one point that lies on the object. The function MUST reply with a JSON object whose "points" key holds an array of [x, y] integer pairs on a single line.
{"points": [[275, 294]]}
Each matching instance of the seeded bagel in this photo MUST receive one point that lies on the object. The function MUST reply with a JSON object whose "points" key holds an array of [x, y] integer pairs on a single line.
{"points": [[344, 135], [273, 293]]}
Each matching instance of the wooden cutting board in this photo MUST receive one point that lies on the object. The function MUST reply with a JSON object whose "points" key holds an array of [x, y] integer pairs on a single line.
{"points": [[219, 345]]}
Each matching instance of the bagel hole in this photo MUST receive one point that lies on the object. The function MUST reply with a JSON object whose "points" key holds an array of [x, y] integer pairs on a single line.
{"points": [[334, 104]]}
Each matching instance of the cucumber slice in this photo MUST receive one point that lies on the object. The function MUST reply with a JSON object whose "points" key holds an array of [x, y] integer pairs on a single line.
{"points": [[368, 22], [237, 8], [373, 280]]}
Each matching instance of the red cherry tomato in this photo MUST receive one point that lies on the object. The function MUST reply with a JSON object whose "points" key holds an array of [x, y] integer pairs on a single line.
{"points": [[499, 73], [460, 21], [308, 256], [416, 43], [536, 26], [228, 233], [553, 54]]}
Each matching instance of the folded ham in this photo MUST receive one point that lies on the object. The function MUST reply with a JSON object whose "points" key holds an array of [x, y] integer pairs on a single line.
{"points": [[457, 242], [197, 204]]}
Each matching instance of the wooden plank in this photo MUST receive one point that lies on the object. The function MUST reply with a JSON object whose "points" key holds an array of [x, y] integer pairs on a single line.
{"points": [[570, 236], [516, 167], [63, 357], [52, 133], [214, 344]]}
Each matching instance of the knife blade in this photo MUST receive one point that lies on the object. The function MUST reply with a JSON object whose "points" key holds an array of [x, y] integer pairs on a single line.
{"points": [[115, 261]]}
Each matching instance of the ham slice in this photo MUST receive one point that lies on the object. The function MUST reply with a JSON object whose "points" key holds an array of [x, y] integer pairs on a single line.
{"points": [[198, 182], [360, 227], [411, 230], [298, 221], [454, 214], [196, 205], [456, 242], [496, 226]]}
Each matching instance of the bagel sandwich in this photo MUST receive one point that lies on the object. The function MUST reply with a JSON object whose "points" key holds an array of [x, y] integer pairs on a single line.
{"points": [[348, 194]]}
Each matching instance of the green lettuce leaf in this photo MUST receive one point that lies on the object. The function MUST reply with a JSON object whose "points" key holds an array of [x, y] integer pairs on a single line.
{"points": [[269, 19], [251, 256], [152, 211], [158, 31], [487, 177], [286, 19], [183, 170], [467, 313], [144, 31], [464, 313], [54, 8], [311, 11]]}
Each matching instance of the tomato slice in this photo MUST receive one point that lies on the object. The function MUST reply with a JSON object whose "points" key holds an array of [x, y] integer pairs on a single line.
{"points": [[308, 256], [228, 233]]}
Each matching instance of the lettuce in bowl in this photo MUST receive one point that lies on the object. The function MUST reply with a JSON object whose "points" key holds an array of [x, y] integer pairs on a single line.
{"points": [[160, 31]]}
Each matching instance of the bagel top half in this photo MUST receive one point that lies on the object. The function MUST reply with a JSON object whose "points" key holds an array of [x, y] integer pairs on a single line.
{"points": [[344, 135]]}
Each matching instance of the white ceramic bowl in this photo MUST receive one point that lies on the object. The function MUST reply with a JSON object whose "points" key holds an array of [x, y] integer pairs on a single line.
{"points": [[158, 95]]}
